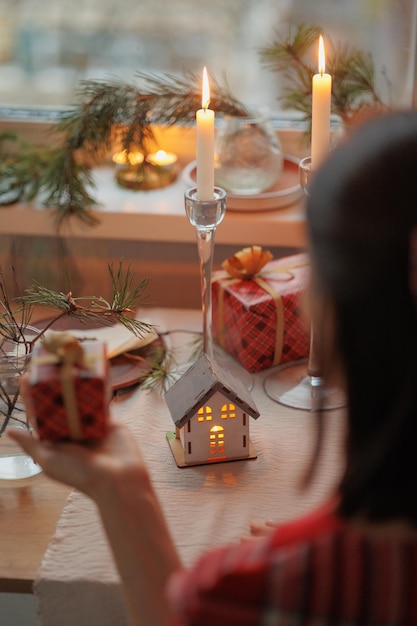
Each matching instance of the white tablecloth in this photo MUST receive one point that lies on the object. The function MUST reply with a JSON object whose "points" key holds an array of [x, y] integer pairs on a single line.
{"points": [[205, 506]]}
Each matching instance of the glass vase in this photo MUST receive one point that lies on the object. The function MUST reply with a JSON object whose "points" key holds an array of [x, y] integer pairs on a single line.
{"points": [[14, 359], [248, 154]]}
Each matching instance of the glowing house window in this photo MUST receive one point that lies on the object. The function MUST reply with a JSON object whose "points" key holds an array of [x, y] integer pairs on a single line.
{"points": [[228, 411], [216, 440], [205, 413]]}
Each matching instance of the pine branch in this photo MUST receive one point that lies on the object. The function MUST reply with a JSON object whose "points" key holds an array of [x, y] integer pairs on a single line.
{"points": [[15, 316], [21, 169], [127, 296], [65, 183], [12, 322], [104, 111], [164, 369], [161, 375], [352, 70], [108, 109]]}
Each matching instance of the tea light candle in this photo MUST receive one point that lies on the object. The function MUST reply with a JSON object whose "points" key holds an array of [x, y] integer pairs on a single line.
{"points": [[162, 158], [126, 158], [320, 113], [205, 145]]}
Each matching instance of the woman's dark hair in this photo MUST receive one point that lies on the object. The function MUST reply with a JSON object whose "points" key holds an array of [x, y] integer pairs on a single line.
{"points": [[361, 213]]}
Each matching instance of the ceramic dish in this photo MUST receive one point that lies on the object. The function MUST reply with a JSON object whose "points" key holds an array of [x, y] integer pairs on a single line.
{"points": [[131, 367], [285, 192], [126, 369]]}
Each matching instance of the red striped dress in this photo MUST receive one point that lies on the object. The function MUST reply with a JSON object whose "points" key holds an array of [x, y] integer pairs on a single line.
{"points": [[316, 571]]}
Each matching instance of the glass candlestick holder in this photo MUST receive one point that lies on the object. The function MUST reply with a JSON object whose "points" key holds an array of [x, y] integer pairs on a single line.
{"points": [[299, 384], [205, 216]]}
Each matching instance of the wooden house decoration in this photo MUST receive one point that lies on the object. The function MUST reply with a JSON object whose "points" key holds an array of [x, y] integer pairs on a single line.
{"points": [[211, 410]]}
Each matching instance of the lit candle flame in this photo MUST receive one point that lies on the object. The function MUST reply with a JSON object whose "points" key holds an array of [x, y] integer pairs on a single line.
{"points": [[162, 158], [205, 101], [322, 56], [161, 155]]}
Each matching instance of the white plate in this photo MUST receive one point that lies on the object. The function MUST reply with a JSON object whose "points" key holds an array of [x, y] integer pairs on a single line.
{"points": [[286, 191]]}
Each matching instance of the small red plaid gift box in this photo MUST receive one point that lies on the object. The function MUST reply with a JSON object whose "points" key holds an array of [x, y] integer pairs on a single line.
{"points": [[257, 314], [70, 391]]}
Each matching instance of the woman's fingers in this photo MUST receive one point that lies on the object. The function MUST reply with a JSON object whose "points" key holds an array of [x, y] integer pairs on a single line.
{"points": [[261, 528]]}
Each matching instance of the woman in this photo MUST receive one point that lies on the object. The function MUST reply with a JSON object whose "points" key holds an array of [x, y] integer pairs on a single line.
{"points": [[353, 561]]}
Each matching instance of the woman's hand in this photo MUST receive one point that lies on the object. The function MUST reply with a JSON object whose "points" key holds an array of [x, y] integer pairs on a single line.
{"points": [[259, 529], [113, 474], [83, 466]]}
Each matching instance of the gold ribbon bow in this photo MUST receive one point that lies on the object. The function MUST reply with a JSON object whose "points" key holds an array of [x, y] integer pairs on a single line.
{"points": [[247, 265]]}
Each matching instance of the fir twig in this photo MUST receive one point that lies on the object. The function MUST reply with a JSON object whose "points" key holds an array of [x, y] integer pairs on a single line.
{"points": [[11, 322], [161, 375], [104, 111], [107, 110], [164, 368], [65, 182], [16, 315], [22, 166], [127, 296], [295, 57]]}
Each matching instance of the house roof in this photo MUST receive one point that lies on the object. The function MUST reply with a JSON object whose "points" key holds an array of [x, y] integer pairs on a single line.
{"points": [[199, 383]]}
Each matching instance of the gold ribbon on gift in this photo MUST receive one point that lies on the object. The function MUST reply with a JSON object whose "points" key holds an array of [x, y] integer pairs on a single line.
{"points": [[67, 351], [247, 265]]}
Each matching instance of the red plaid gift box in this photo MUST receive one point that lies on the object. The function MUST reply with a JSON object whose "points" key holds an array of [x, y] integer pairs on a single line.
{"points": [[260, 321], [72, 407]]}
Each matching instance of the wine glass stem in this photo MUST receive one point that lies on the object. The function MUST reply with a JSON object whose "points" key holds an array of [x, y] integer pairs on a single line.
{"points": [[313, 372], [313, 362], [205, 241]]}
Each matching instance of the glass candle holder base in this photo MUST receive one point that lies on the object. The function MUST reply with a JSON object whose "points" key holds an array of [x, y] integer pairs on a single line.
{"points": [[292, 386]]}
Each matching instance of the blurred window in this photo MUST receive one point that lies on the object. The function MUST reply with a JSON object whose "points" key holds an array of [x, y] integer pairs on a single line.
{"points": [[47, 48]]}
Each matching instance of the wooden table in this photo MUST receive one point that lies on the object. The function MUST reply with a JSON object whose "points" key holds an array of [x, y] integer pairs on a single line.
{"points": [[28, 516], [283, 439], [29, 512]]}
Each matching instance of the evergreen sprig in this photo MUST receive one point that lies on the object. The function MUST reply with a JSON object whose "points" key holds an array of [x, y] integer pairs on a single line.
{"points": [[295, 58], [16, 314], [22, 166], [162, 372], [127, 296], [105, 111]]}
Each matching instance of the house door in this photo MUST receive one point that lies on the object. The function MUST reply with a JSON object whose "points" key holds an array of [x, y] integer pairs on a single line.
{"points": [[216, 441]]}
